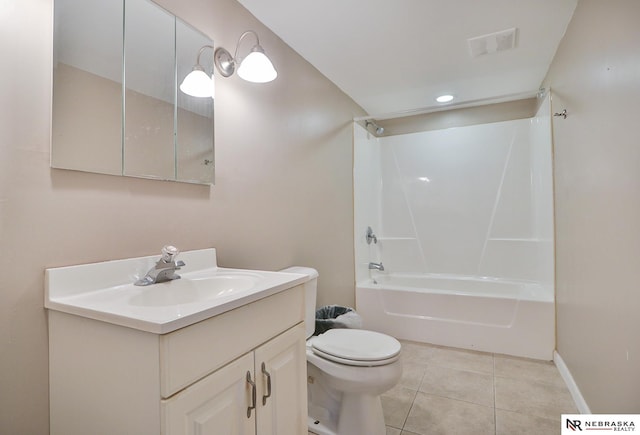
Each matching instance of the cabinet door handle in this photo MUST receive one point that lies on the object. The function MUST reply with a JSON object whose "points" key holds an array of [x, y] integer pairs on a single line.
{"points": [[253, 394], [268, 375]]}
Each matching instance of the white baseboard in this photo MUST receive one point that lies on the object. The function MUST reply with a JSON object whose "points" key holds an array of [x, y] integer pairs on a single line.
{"points": [[581, 404]]}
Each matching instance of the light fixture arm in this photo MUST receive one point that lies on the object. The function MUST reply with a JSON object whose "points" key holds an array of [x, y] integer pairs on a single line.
{"points": [[222, 58], [202, 51], [248, 32]]}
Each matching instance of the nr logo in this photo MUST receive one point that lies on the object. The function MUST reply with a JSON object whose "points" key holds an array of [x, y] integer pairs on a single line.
{"points": [[574, 424]]}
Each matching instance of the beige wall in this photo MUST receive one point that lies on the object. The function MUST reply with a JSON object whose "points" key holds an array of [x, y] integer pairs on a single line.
{"points": [[596, 76], [519, 109], [283, 191]]}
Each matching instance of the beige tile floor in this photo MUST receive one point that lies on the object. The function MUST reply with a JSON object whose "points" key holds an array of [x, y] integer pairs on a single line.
{"points": [[446, 391]]}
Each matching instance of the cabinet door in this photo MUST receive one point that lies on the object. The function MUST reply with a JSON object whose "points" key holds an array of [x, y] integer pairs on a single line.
{"points": [[284, 411], [215, 405]]}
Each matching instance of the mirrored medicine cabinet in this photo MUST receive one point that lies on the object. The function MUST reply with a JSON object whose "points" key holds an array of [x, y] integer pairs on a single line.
{"points": [[117, 108]]}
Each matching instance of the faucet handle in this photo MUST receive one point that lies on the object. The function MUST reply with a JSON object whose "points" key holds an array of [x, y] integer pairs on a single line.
{"points": [[169, 253], [371, 237]]}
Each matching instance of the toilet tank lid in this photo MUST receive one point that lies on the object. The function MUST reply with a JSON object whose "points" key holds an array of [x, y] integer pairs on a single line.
{"points": [[309, 271]]}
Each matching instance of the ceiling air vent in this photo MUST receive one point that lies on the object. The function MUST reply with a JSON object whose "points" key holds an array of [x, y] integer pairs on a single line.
{"points": [[492, 43]]}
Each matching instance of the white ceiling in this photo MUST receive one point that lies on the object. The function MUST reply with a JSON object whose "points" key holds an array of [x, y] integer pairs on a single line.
{"points": [[398, 55]]}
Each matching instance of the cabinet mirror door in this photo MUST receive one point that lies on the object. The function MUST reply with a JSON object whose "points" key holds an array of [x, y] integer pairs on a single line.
{"points": [[87, 86], [116, 105], [150, 78]]}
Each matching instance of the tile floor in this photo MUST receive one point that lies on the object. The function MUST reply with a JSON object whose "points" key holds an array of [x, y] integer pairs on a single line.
{"points": [[445, 391], [448, 391]]}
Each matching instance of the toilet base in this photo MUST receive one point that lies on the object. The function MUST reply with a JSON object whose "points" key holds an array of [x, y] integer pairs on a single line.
{"points": [[345, 400], [318, 428], [359, 414]]}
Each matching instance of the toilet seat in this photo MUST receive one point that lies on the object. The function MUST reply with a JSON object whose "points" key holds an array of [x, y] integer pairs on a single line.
{"points": [[350, 362], [356, 347]]}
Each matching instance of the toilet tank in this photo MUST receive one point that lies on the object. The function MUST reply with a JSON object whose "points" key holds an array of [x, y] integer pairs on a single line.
{"points": [[310, 293]]}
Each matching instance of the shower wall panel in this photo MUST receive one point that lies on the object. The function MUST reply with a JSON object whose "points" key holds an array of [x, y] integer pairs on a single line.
{"points": [[367, 193], [473, 200]]}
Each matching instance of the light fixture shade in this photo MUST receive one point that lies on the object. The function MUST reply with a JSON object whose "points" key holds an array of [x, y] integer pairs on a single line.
{"points": [[197, 83], [257, 67]]}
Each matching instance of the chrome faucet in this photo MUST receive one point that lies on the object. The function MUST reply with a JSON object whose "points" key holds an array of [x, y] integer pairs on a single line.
{"points": [[165, 268], [376, 266]]}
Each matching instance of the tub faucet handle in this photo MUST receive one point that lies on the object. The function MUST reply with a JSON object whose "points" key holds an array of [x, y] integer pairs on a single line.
{"points": [[371, 237]]}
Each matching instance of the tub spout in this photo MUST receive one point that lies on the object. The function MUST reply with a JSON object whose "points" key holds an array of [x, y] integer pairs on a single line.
{"points": [[376, 266]]}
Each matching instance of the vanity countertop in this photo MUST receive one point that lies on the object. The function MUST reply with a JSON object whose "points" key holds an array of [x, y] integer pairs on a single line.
{"points": [[105, 291]]}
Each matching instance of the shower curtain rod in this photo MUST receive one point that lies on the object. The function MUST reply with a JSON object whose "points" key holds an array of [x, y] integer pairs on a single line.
{"points": [[461, 105]]}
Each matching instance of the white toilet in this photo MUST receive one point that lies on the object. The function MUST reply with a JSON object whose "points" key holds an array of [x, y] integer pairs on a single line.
{"points": [[347, 371]]}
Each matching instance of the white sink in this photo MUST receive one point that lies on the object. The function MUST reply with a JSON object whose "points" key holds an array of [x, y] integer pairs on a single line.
{"points": [[105, 291], [193, 290]]}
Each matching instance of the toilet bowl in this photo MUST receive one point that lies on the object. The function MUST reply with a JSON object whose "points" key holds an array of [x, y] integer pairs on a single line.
{"points": [[345, 383], [347, 371]]}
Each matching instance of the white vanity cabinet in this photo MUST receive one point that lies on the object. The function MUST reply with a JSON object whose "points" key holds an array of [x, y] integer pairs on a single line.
{"points": [[111, 379], [259, 393]]}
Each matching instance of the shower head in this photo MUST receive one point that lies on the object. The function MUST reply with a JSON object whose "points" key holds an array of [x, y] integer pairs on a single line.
{"points": [[379, 130]]}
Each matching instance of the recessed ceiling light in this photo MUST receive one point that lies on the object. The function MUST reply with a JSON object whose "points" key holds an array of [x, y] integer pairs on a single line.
{"points": [[444, 98]]}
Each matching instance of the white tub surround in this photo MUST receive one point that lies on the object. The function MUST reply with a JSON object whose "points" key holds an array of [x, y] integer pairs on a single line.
{"points": [[490, 315], [462, 202]]}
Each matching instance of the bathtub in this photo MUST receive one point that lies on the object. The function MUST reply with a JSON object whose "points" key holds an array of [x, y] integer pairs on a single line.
{"points": [[486, 314]]}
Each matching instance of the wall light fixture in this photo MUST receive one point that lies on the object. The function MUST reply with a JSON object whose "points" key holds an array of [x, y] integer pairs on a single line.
{"points": [[198, 83], [255, 67]]}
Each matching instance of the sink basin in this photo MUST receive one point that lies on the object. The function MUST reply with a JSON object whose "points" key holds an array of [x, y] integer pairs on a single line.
{"points": [[105, 291], [190, 290]]}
